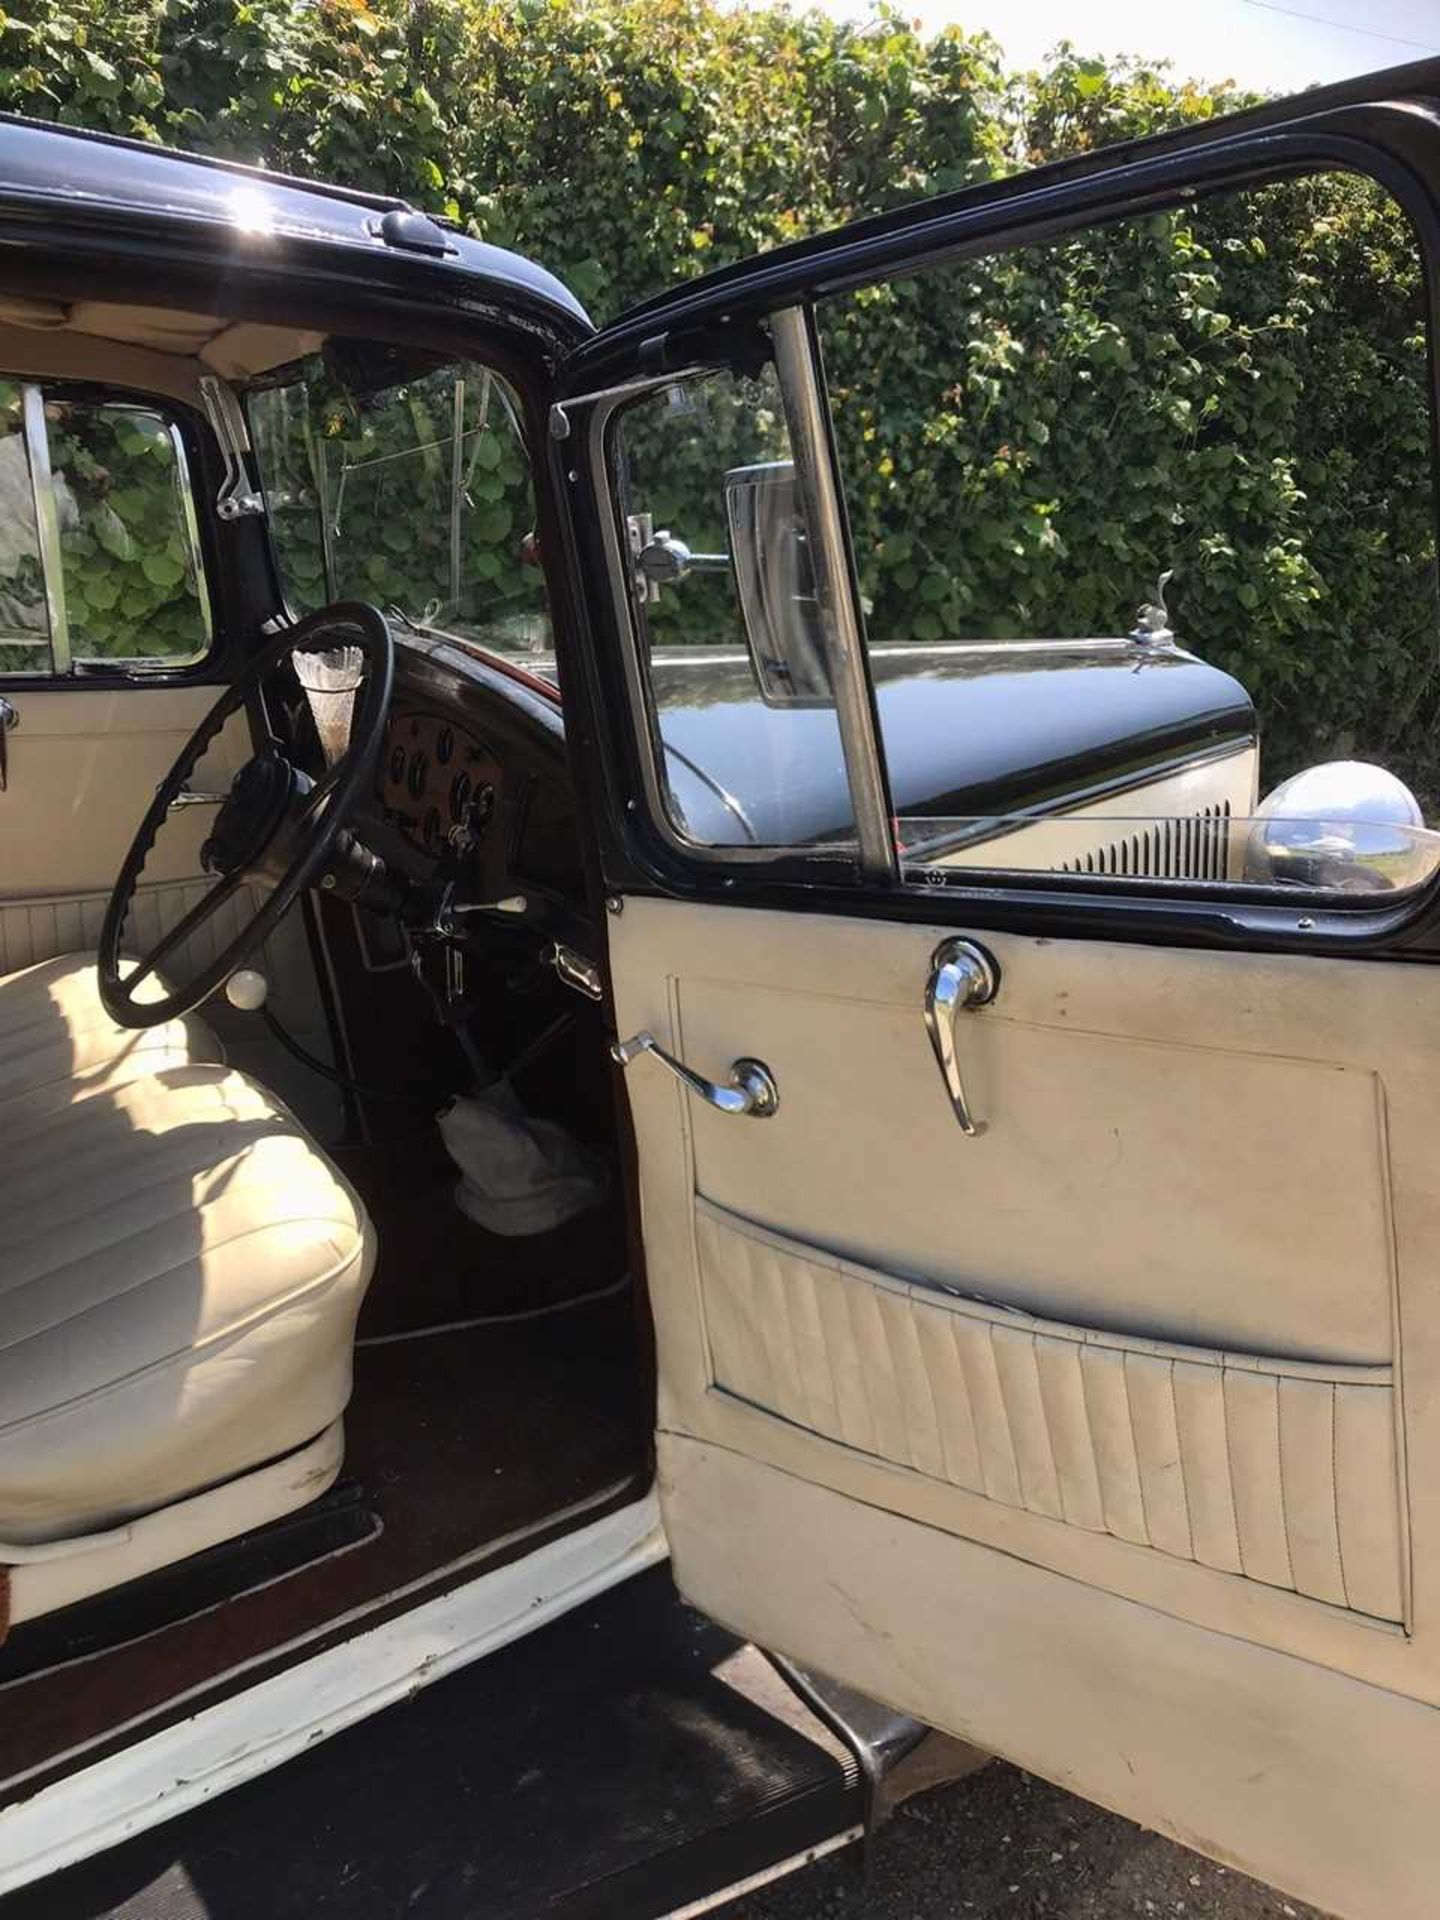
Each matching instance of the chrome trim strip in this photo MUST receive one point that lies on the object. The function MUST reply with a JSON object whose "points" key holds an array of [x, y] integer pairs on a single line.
{"points": [[192, 547], [47, 526], [766, 1876], [796, 363], [457, 491]]}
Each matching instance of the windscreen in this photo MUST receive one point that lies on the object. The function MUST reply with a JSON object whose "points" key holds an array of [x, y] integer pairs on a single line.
{"points": [[413, 494]]}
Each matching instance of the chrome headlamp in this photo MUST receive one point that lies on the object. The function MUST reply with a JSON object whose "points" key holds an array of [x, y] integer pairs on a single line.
{"points": [[1345, 825]]}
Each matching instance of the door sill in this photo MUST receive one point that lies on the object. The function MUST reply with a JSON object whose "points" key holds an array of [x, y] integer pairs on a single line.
{"points": [[251, 1732], [631, 1761]]}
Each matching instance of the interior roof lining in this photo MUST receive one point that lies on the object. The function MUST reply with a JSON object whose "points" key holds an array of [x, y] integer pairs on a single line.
{"points": [[208, 342]]}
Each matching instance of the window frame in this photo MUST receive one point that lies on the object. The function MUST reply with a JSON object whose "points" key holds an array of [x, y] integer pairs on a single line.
{"points": [[65, 667], [806, 421], [1394, 144]]}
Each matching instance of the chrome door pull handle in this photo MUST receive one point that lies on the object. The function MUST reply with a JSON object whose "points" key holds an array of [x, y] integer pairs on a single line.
{"points": [[962, 975], [193, 797], [752, 1090]]}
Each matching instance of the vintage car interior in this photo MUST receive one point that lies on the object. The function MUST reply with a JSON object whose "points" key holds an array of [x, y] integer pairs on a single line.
{"points": [[953, 1118], [237, 1283]]}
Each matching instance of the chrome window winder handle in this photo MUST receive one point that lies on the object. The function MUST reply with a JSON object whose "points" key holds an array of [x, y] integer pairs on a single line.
{"points": [[962, 975], [752, 1091]]}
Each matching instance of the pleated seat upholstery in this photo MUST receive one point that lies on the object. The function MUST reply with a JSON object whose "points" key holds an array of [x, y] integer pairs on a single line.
{"points": [[58, 1042], [180, 1273], [181, 1268]]}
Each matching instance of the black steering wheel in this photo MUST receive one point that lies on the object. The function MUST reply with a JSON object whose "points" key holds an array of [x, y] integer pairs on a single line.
{"points": [[275, 828]]}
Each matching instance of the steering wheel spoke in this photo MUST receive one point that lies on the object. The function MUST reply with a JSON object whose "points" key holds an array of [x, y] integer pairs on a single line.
{"points": [[188, 924], [297, 856]]}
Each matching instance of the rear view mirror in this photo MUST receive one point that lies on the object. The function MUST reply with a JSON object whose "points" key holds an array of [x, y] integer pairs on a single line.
{"points": [[776, 585]]}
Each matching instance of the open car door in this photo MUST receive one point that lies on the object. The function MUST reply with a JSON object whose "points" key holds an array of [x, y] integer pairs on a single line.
{"points": [[1043, 1239]]}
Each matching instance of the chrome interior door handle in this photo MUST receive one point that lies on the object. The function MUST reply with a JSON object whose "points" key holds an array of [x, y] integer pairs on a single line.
{"points": [[192, 797], [962, 975], [752, 1091]]}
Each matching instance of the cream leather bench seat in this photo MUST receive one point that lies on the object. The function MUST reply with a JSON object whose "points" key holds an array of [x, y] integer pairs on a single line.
{"points": [[55, 1035], [180, 1273]]}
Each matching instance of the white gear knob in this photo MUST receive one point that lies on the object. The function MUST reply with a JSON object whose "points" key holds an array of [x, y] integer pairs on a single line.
{"points": [[247, 990]]}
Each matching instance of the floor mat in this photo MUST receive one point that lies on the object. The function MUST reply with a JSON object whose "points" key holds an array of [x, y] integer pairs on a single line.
{"points": [[457, 1439]]}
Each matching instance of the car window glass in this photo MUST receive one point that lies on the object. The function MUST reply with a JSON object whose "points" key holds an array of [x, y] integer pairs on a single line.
{"points": [[1144, 529], [413, 493], [134, 588], [713, 563]]}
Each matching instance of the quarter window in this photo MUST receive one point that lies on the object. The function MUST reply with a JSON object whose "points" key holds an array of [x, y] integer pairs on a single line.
{"points": [[99, 551], [715, 559]]}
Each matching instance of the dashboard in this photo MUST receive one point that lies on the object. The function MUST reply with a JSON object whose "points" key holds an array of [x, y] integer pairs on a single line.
{"points": [[472, 803], [435, 775], [476, 751]]}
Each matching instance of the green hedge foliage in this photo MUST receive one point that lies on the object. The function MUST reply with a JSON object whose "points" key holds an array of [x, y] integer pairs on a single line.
{"points": [[1236, 391], [126, 562], [409, 526]]}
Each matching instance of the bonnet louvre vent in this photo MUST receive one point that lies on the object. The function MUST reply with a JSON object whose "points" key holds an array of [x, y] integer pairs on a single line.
{"points": [[1193, 848]]}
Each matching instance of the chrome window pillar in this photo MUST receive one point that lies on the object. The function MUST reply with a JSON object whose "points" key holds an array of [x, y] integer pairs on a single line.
{"points": [[797, 366], [47, 526], [457, 494], [320, 477], [195, 552]]}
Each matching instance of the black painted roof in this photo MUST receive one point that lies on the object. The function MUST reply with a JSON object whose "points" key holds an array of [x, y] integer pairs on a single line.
{"points": [[44, 166]]}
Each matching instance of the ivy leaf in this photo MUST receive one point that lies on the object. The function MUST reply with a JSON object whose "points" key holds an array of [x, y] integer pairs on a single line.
{"points": [[112, 533], [102, 591], [103, 78], [161, 570], [492, 524]]}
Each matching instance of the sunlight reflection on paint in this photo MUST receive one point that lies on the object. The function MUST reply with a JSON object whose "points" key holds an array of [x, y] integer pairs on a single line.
{"points": [[250, 211]]}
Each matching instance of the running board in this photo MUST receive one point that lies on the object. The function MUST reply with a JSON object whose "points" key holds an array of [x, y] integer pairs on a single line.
{"points": [[631, 1759]]}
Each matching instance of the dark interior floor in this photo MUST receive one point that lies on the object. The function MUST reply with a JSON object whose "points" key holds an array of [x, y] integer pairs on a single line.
{"points": [[622, 1761], [456, 1438], [437, 1267]]}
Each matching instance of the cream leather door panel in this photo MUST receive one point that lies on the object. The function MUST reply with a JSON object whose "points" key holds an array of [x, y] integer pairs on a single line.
{"points": [[82, 766], [1093, 1437]]}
